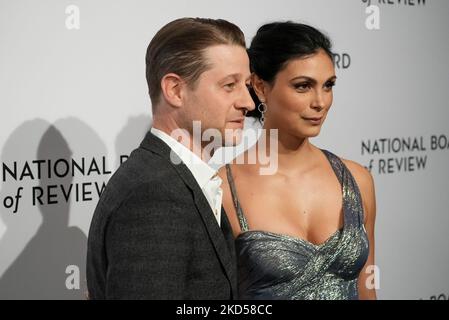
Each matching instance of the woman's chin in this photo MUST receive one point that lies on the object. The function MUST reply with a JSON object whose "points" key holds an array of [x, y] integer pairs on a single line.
{"points": [[310, 132]]}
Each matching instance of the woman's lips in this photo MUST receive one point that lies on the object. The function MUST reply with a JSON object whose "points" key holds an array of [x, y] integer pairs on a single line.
{"points": [[313, 120]]}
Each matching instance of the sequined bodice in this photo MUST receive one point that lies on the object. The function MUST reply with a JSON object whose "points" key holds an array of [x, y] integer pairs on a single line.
{"points": [[275, 266]]}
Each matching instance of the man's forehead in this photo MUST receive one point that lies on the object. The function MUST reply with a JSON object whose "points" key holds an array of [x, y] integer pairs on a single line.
{"points": [[225, 54], [227, 61]]}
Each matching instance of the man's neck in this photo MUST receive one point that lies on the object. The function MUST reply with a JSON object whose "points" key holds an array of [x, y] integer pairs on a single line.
{"points": [[184, 137]]}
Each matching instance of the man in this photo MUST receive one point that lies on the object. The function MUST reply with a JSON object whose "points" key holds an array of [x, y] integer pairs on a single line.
{"points": [[159, 230]]}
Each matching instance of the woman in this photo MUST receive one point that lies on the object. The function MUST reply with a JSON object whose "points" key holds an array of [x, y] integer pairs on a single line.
{"points": [[307, 231]]}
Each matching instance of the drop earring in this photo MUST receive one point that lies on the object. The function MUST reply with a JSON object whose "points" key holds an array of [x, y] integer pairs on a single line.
{"points": [[262, 107]]}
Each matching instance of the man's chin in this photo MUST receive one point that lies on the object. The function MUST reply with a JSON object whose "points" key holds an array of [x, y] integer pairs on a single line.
{"points": [[232, 137]]}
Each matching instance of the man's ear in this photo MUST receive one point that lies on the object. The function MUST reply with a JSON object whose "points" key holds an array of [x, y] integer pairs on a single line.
{"points": [[259, 86], [171, 87]]}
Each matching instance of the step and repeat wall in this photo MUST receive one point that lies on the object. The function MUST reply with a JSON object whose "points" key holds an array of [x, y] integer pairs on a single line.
{"points": [[74, 103]]}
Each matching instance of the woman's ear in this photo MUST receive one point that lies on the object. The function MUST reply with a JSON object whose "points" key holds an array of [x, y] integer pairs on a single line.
{"points": [[259, 86], [171, 87]]}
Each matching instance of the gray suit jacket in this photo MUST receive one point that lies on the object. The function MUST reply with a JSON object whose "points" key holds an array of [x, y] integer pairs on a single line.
{"points": [[154, 236]]}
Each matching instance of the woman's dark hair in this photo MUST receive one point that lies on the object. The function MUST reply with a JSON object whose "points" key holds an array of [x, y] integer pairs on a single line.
{"points": [[275, 44]]}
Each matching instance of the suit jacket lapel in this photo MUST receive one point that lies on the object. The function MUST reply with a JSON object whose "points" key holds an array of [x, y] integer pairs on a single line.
{"points": [[227, 231], [224, 247], [229, 236]]}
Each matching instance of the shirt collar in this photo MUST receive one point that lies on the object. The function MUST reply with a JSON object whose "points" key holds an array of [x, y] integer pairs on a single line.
{"points": [[202, 172]]}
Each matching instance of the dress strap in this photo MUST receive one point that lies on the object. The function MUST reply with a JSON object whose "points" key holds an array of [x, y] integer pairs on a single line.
{"points": [[352, 199], [238, 208]]}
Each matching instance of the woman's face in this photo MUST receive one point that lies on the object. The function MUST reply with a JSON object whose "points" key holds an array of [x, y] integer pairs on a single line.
{"points": [[301, 95]]}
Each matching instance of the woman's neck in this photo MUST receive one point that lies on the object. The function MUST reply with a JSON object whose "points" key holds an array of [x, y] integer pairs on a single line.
{"points": [[291, 151]]}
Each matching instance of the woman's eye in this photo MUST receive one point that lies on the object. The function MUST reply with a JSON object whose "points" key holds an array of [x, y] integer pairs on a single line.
{"points": [[302, 86], [329, 85]]}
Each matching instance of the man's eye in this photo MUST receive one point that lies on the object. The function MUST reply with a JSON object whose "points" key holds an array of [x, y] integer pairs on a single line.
{"points": [[230, 86]]}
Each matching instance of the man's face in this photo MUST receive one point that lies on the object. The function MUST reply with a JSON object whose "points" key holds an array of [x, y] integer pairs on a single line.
{"points": [[220, 96]]}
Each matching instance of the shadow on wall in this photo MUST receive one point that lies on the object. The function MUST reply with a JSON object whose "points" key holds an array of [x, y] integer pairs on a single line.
{"points": [[51, 264], [130, 136], [42, 256]]}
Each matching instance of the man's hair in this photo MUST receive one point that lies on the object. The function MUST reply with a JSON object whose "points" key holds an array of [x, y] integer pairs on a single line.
{"points": [[179, 48]]}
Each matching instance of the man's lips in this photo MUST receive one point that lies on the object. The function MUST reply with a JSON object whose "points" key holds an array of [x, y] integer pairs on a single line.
{"points": [[238, 120]]}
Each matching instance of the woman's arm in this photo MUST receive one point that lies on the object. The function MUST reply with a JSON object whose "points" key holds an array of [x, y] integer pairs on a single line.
{"points": [[364, 179]]}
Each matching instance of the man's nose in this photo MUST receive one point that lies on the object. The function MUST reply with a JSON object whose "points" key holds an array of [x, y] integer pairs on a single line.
{"points": [[245, 100]]}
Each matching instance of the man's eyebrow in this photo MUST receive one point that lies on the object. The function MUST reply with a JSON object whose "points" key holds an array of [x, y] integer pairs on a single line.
{"points": [[235, 76]]}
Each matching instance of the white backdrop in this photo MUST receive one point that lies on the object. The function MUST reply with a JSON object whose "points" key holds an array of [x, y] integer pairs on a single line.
{"points": [[73, 92]]}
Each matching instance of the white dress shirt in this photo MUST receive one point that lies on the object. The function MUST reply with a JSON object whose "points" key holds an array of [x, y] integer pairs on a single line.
{"points": [[206, 177]]}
